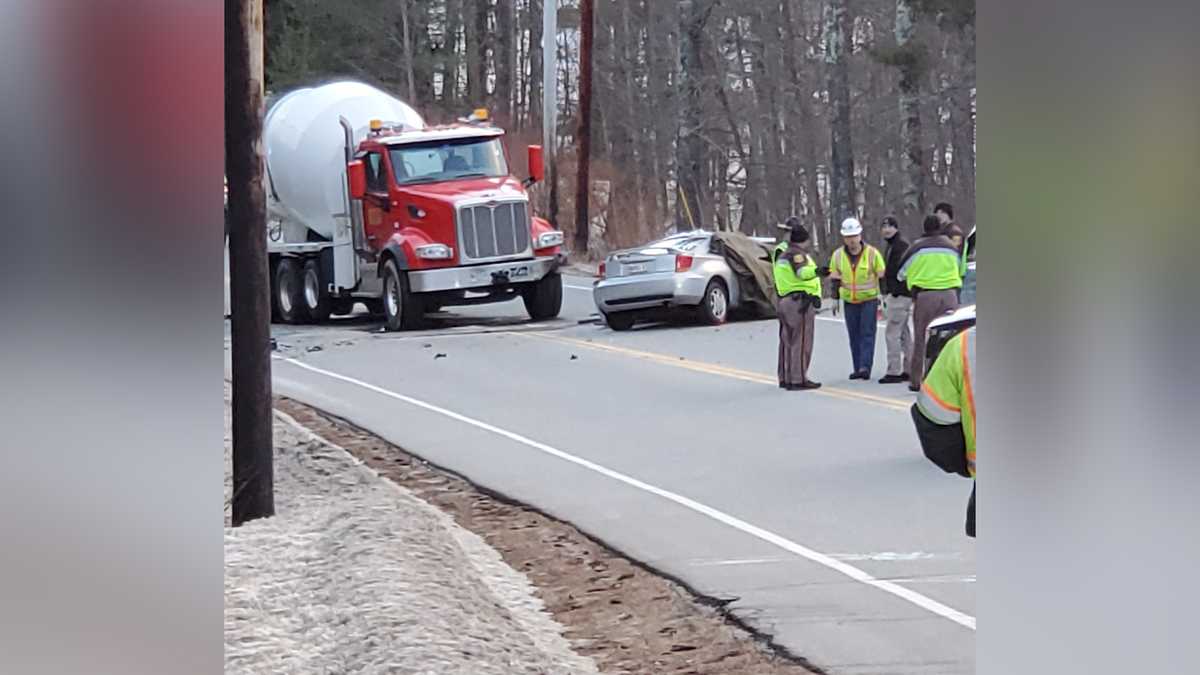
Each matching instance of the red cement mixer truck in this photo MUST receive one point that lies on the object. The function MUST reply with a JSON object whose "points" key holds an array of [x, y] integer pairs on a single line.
{"points": [[366, 203]]}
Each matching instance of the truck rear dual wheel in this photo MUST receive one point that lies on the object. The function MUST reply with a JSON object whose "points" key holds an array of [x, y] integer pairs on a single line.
{"points": [[543, 298], [289, 291], [401, 309], [317, 302]]}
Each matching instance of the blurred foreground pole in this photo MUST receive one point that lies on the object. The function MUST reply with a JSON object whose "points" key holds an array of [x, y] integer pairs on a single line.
{"points": [[583, 188], [253, 470]]}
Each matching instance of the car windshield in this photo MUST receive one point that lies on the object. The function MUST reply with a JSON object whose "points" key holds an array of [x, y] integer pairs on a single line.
{"points": [[448, 160]]}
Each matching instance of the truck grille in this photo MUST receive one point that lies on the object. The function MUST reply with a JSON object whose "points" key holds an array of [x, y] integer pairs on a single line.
{"points": [[489, 231]]}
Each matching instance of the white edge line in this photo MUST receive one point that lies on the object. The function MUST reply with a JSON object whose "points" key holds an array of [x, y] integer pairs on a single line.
{"points": [[854, 573]]}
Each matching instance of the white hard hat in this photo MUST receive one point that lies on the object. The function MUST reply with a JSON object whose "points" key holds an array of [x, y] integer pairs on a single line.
{"points": [[851, 227]]}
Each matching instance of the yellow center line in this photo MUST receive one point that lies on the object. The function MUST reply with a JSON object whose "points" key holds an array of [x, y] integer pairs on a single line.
{"points": [[714, 369]]}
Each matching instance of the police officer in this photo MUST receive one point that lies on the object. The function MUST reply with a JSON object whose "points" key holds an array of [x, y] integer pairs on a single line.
{"points": [[944, 413], [798, 284], [930, 268], [856, 268]]}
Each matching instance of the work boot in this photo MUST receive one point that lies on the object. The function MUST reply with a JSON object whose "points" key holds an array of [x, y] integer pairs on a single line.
{"points": [[863, 375], [810, 385], [892, 379], [856, 376], [913, 388]]}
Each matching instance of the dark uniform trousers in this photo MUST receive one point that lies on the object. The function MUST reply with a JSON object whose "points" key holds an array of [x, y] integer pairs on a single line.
{"points": [[796, 321]]}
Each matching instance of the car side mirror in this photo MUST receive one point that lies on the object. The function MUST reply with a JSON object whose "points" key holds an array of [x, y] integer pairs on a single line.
{"points": [[537, 167], [357, 172]]}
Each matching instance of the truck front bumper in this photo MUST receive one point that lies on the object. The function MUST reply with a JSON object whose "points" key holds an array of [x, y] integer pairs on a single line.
{"points": [[482, 277]]}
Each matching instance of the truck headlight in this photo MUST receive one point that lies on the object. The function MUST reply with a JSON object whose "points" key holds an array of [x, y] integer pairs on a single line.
{"points": [[549, 239], [435, 252]]}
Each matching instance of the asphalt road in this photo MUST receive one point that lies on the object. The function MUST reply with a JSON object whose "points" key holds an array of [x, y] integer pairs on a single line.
{"points": [[814, 514]]}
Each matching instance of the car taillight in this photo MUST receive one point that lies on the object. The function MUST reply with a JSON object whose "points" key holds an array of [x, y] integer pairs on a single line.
{"points": [[600, 272], [683, 263]]}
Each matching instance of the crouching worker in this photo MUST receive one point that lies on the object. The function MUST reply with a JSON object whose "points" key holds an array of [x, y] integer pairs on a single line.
{"points": [[798, 284], [944, 413]]}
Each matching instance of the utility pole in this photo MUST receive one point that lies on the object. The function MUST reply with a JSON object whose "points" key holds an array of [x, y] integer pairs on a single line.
{"points": [[550, 103], [583, 185], [253, 469]]}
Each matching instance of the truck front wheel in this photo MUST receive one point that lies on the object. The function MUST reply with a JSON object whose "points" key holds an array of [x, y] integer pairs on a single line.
{"points": [[316, 295], [289, 291], [401, 311], [543, 298]]}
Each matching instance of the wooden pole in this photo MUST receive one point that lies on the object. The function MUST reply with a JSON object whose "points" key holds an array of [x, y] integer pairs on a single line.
{"points": [[583, 185], [253, 469]]}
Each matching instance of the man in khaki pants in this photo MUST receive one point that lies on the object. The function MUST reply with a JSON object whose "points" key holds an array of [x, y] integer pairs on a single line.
{"points": [[897, 300]]}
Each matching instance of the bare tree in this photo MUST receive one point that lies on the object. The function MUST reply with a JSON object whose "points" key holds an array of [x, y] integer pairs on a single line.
{"points": [[910, 57], [841, 175], [722, 113], [690, 173]]}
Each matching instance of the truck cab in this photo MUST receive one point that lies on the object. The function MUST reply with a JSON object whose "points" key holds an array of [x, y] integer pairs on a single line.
{"points": [[440, 205], [403, 217]]}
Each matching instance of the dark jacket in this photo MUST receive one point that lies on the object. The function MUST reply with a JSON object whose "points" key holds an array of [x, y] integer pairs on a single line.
{"points": [[897, 246]]}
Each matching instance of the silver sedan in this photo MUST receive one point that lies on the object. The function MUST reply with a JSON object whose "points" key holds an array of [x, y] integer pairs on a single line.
{"points": [[680, 271]]}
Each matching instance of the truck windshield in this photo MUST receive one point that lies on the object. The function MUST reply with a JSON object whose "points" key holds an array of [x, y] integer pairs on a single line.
{"points": [[448, 160]]}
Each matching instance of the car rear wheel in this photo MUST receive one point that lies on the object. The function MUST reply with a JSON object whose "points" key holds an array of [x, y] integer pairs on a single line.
{"points": [[714, 308], [619, 321]]}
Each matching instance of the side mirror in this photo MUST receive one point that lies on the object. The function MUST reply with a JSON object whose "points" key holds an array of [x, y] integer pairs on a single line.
{"points": [[357, 172], [537, 167]]}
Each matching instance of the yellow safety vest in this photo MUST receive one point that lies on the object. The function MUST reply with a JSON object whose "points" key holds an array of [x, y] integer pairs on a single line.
{"points": [[787, 281], [860, 282], [948, 390]]}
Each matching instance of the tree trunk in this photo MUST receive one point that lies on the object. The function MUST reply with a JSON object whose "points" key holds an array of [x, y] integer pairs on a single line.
{"points": [[452, 82], [477, 50], [802, 91], [912, 160], [657, 88], [505, 59], [583, 138], [690, 172], [534, 97], [841, 174], [406, 40]]}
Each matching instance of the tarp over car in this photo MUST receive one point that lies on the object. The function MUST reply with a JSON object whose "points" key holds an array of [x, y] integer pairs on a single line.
{"points": [[750, 260]]}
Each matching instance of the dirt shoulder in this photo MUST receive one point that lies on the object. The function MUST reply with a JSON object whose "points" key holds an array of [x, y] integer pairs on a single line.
{"points": [[627, 618]]}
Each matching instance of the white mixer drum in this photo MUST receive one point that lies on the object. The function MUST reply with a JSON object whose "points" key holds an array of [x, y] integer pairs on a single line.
{"points": [[304, 144]]}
